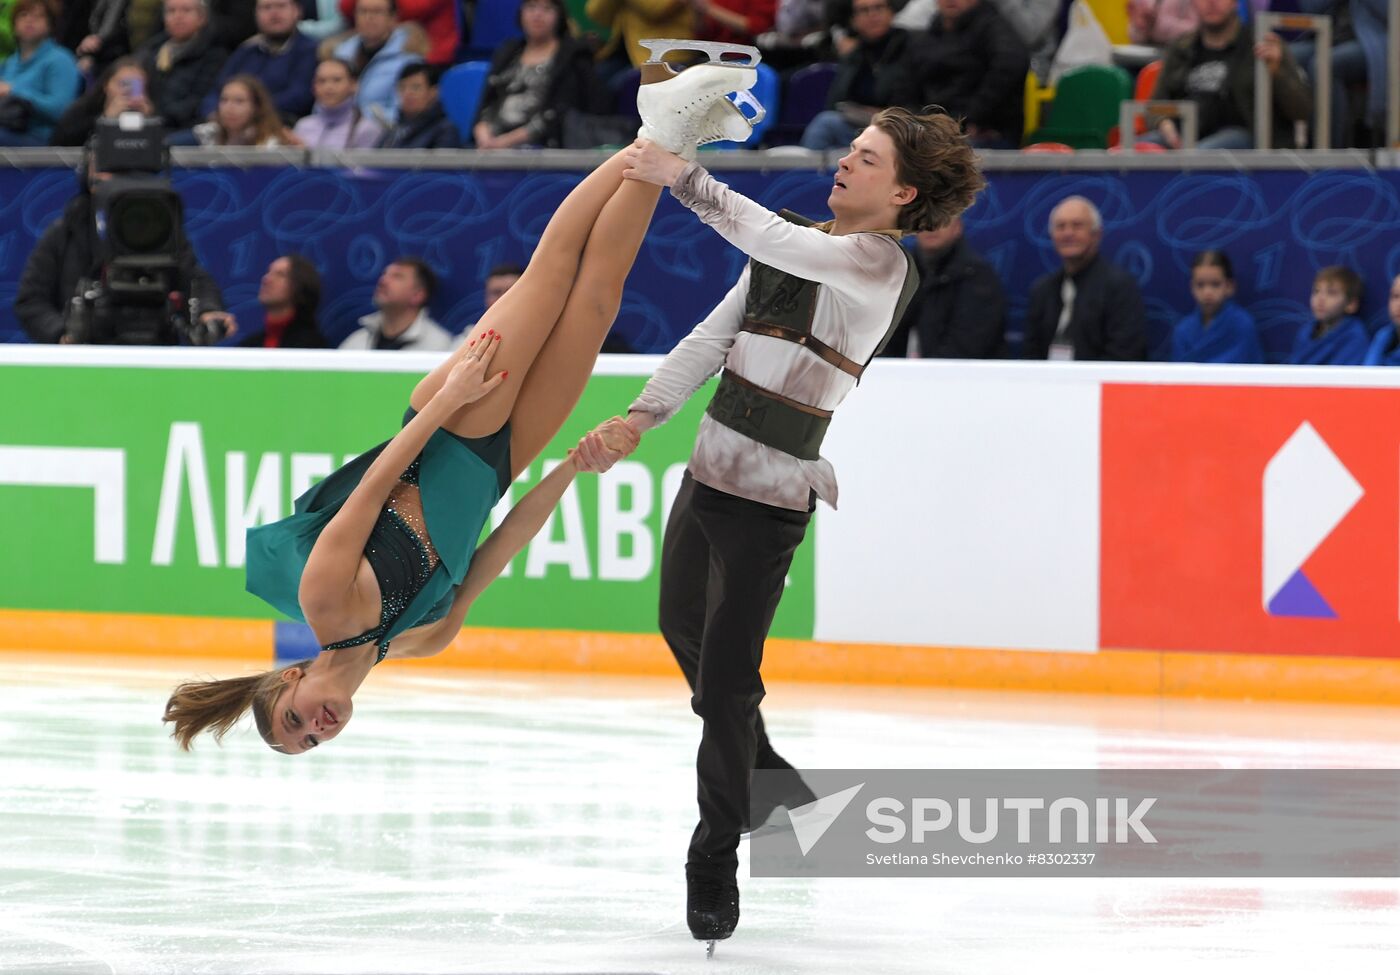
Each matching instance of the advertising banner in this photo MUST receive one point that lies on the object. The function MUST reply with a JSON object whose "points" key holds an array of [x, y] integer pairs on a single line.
{"points": [[1251, 519], [129, 490]]}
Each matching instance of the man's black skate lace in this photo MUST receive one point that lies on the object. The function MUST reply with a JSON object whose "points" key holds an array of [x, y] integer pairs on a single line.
{"points": [[711, 896]]}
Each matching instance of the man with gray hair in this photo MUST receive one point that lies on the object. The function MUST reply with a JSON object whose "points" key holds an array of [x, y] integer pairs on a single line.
{"points": [[1089, 308]]}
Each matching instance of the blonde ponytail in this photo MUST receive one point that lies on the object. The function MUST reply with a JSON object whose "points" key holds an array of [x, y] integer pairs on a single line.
{"points": [[216, 705]]}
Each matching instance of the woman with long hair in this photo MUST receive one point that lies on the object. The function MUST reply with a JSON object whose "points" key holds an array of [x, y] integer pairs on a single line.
{"points": [[535, 81], [246, 116], [381, 558]]}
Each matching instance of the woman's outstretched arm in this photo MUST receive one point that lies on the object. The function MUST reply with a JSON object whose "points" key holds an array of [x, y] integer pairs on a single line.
{"points": [[597, 451], [327, 581]]}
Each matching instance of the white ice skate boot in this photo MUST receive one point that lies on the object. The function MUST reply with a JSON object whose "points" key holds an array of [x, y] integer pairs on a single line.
{"points": [[726, 122], [673, 105]]}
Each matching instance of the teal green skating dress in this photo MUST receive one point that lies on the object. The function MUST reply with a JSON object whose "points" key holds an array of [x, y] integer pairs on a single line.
{"points": [[459, 481]]}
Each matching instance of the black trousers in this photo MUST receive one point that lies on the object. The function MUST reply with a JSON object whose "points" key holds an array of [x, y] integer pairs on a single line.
{"points": [[724, 561]]}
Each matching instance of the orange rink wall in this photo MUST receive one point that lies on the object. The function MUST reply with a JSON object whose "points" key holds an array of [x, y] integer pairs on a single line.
{"points": [[249, 643]]}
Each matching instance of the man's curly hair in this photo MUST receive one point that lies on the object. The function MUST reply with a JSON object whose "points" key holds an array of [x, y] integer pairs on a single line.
{"points": [[933, 156]]}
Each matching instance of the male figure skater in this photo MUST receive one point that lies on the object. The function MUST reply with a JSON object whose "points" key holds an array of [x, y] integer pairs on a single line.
{"points": [[813, 306]]}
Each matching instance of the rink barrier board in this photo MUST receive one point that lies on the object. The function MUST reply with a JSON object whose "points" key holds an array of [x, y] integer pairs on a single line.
{"points": [[1068, 526], [248, 644]]}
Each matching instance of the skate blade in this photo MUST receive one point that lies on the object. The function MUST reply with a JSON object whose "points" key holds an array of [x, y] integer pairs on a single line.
{"points": [[710, 950], [717, 51]]}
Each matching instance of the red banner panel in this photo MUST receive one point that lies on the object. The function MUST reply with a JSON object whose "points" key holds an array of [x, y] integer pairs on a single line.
{"points": [[1250, 519]]}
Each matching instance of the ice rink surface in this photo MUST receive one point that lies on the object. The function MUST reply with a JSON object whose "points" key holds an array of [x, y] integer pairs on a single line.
{"points": [[523, 823]]}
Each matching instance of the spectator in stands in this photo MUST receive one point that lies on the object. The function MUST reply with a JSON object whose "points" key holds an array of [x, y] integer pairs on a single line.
{"points": [[1214, 67], [874, 75], [290, 293], [182, 62], [1037, 22], [630, 21], [245, 116], [422, 122], [67, 254], [1160, 22], [802, 33], [1089, 309], [402, 321], [958, 312], [38, 81], [231, 23], [321, 18], [1334, 336], [336, 122], [437, 18], [973, 64], [104, 34], [377, 52], [535, 81], [498, 281], [1218, 330], [801, 18], [1385, 348], [279, 56], [1358, 55], [122, 88], [1371, 22], [733, 21]]}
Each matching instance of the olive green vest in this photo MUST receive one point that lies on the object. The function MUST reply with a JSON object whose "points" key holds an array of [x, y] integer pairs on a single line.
{"points": [[782, 306]]}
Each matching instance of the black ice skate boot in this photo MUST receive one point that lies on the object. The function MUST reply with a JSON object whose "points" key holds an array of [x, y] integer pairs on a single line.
{"points": [[711, 905]]}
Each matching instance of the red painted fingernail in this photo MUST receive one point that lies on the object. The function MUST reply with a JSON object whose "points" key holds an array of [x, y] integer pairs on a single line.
{"points": [[504, 375]]}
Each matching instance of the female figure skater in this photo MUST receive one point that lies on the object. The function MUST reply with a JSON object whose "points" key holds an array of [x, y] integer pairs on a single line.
{"points": [[380, 558]]}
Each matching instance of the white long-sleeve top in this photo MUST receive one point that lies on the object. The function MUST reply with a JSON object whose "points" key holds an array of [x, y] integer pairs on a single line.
{"points": [[861, 276]]}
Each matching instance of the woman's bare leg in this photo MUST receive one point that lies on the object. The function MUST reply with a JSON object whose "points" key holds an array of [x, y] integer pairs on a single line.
{"points": [[561, 370], [526, 314]]}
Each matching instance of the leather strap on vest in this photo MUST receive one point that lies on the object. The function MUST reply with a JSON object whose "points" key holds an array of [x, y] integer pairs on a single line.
{"points": [[769, 418], [808, 341], [806, 297]]}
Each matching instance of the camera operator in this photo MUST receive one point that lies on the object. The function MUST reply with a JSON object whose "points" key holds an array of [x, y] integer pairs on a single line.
{"points": [[74, 290]]}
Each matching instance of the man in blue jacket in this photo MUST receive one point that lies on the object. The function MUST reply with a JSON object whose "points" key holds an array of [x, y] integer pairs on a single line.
{"points": [[377, 52], [279, 55]]}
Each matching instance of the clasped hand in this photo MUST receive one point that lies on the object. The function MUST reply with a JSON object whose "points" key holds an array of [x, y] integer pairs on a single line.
{"points": [[605, 445], [649, 163]]}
